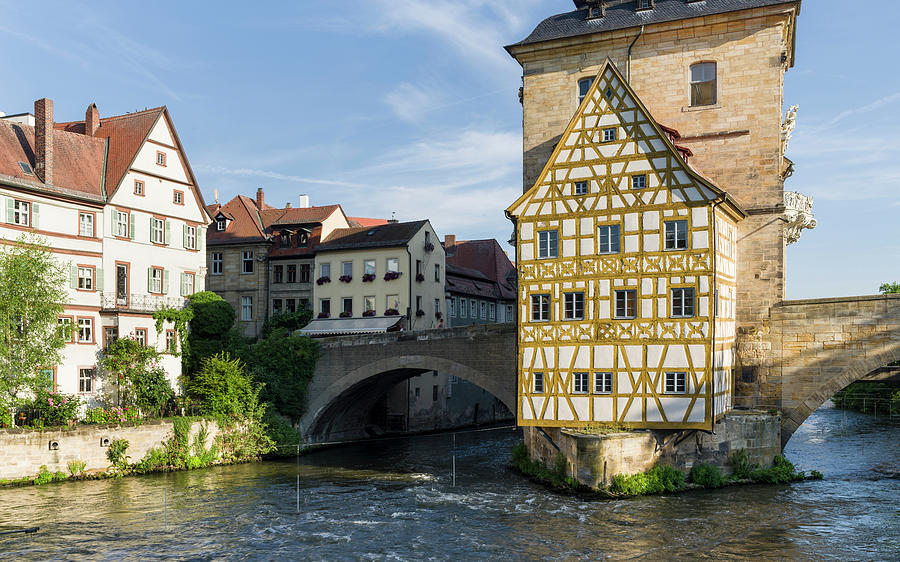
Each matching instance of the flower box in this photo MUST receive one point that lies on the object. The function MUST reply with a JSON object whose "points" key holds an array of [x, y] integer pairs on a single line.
{"points": [[369, 313], [368, 277], [323, 315], [345, 278], [420, 313], [322, 280], [429, 247], [346, 314], [392, 312], [438, 315], [420, 277], [391, 275]]}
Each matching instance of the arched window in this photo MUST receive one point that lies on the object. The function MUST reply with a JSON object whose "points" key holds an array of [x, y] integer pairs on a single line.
{"points": [[703, 83], [583, 86]]}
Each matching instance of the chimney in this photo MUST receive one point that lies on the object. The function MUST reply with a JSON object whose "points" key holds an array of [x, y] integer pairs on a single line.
{"points": [[91, 120], [43, 139], [449, 240], [260, 199], [304, 201]]}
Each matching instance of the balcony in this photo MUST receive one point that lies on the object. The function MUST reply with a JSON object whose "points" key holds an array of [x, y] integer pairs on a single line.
{"points": [[140, 302]]}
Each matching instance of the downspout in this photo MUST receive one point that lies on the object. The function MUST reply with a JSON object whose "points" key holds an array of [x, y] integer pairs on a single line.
{"points": [[628, 65], [409, 312], [514, 240]]}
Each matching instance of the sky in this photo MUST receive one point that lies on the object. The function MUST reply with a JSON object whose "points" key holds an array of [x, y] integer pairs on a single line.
{"points": [[409, 108]]}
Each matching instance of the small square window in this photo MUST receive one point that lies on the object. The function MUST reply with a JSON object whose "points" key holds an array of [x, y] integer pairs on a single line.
{"points": [[221, 223], [139, 188], [675, 383], [178, 197], [676, 235], [609, 134], [538, 383], [580, 383], [581, 188], [626, 304], [160, 158], [639, 181], [603, 383]]}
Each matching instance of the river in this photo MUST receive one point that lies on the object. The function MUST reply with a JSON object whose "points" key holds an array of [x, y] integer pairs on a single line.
{"points": [[394, 499]]}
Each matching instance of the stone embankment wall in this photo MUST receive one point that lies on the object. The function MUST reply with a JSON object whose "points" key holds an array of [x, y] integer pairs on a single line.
{"points": [[23, 451], [593, 460]]}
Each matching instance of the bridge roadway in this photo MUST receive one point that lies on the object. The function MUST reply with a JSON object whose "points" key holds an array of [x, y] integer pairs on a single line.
{"points": [[807, 351]]}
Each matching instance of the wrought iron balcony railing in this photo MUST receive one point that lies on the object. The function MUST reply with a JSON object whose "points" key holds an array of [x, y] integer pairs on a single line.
{"points": [[140, 302]]}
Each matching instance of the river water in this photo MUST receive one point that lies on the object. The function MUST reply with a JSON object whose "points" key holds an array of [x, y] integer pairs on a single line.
{"points": [[394, 499]]}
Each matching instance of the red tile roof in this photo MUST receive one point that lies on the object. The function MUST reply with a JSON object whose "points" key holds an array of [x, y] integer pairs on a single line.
{"points": [[365, 222], [245, 226], [485, 256], [77, 161], [296, 215]]}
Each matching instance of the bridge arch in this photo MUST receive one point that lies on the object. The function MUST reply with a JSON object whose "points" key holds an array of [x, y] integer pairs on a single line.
{"points": [[358, 390]]}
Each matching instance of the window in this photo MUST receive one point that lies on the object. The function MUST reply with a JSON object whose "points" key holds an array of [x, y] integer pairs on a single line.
{"points": [[583, 86], [347, 268], [190, 237], [538, 383], [171, 341], [122, 222], [434, 393], [644, 4], [177, 197], [347, 305], [676, 235], [483, 310], [493, 311], [18, 212], [305, 269], [160, 158], [676, 383], [609, 134], [540, 308], [276, 306], [473, 308], [140, 334], [291, 305], [369, 304], [580, 383], [246, 308], [110, 334], [157, 231], [86, 380], [292, 273], [463, 308], [302, 240], [437, 272], [417, 392], [393, 302], [581, 187], [548, 244], [574, 305], [187, 284], [221, 223], [325, 306], [155, 284], [418, 304], [509, 313], [369, 267], [451, 306], [86, 224], [427, 237], [278, 274], [85, 278], [217, 263], [639, 181], [246, 262], [682, 302], [608, 239], [85, 330], [626, 304], [603, 383], [139, 188], [325, 270], [393, 264], [419, 268], [703, 84], [66, 323]]}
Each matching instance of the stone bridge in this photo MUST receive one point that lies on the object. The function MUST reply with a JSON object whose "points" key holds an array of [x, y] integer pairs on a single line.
{"points": [[807, 351], [354, 372]]}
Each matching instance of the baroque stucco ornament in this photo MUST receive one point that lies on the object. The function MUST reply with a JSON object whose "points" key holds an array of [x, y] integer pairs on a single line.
{"points": [[797, 215], [787, 128]]}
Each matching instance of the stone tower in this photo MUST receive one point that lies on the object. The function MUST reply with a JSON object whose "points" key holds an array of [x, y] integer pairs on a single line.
{"points": [[713, 71]]}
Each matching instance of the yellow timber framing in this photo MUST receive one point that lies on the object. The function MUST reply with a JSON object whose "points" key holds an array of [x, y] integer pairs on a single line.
{"points": [[610, 199]]}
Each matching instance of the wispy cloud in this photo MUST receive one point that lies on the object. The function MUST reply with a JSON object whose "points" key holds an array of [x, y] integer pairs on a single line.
{"points": [[44, 45], [410, 102], [877, 104], [250, 172]]}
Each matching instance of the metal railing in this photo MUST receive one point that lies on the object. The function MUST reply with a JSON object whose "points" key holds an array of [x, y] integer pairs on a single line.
{"points": [[140, 302]]}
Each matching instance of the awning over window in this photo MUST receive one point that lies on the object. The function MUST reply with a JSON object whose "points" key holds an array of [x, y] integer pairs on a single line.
{"points": [[346, 326]]}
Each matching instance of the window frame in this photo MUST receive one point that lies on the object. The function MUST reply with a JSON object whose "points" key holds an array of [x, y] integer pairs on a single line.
{"points": [[292, 273], [153, 279], [70, 320], [580, 188], [123, 219], [615, 134], [92, 278], [17, 213], [607, 249], [246, 258], [684, 302], [601, 378], [90, 326], [387, 265], [325, 269], [675, 377], [190, 235], [171, 342], [588, 81], [140, 188], [217, 260], [552, 235], [93, 221], [177, 197], [161, 161], [537, 383], [463, 308], [542, 299], [675, 224], [693, 85], [188, 289], [158, 231], [140, 334], [581, 382], [347, 305], [642, 177], [369, 270], [277, 274], [246, 308], [90, 379], [325, 303], [574, 305], [221, 224], [632, 302]]}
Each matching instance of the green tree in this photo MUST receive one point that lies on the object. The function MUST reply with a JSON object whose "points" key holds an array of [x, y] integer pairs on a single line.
{"points": [[889, 288], [222, 388], [288, 320], [212, 331], [32, 294], [135, 372], [284, 363]]}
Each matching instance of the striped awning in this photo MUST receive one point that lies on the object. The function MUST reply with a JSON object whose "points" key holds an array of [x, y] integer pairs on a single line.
{"points": [[322, 327]]}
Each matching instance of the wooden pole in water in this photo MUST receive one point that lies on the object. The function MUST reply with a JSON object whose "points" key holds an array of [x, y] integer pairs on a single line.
{"points": [[454, 460], [298, 478], [166, 507]]}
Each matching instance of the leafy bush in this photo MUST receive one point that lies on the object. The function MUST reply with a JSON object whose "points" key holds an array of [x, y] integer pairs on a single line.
{"points": [[116, 453], [134, 371], [213, 316], [282, 433], [155, 459], [659, 479], [289, 321], [285, 363], [221, 388], [45, 476], [54, 408], [555, 477], [707, 475], [519, 453], [113, 414], [76, 467], [781, 472], [740, 464]]}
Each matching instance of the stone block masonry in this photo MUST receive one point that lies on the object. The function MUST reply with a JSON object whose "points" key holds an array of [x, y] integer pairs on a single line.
{"points": [[23, 451]]}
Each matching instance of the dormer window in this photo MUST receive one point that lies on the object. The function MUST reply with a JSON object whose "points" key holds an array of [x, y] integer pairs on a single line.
{"points": [[644, 5], [26, 168], [302, 240], [221, 223], [595, 10]]}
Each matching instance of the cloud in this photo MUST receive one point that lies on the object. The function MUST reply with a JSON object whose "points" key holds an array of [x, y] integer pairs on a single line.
{"points": [[877, 104], [250, 172], [410, 103]]}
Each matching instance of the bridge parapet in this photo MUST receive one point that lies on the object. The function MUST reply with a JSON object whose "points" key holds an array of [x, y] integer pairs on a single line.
{"points": [[455, 333]]}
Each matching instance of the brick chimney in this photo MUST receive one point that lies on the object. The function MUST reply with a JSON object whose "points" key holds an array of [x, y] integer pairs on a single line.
{"points": [[260, 199], [449, 240], [43, 139], [91, 120]]}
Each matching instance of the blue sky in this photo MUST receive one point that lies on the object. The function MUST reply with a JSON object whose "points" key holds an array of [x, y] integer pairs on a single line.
{"points": [[409, 106]]}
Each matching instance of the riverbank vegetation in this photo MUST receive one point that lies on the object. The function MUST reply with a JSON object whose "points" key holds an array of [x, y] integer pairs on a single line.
{"points": [[661, 478], [875, 398]]}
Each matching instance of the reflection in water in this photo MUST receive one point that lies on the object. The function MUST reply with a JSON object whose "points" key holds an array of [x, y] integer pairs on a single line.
{"points": [[394, 498]]}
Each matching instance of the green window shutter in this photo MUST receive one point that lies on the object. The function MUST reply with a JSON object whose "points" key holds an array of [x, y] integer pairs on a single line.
{"points": [[73, 277], [168, 232], [10, 211], [181, 286], [165, 281], [35, 215], [113, 215], [149, 279], [98, 282], [201, 239], [184, 234], [151, 229], [131, 226]]}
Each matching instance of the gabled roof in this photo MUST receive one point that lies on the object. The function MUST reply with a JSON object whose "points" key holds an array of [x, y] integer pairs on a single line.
{"points": [[77, 161], [244, 227], [609, 69], [363, 221], [624, 16], [484, 256], [382, 236], [272, 217]]}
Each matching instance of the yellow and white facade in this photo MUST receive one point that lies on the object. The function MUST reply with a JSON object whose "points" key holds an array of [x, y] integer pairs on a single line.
{"points": [[626, 259]]}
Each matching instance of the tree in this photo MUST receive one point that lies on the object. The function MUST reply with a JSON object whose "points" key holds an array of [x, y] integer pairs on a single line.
{"points": [[285, 364], [32, 296], [221, 388], [288, 320], [135, 371], [889, 288], [212, 331]]}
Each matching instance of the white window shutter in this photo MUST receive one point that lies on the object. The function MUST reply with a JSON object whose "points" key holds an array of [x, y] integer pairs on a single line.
{"points": [[182, 285], [10, 210], [113, 222], [165, 282], [149, 279], [131, 226], [73, 276], [184, 236], [35, 215], [168, 233], [98, 282]]}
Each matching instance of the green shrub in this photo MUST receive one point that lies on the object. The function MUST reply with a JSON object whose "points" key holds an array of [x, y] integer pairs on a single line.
{"points": [[781, 472], [221, 388], [282, 433], [284, 364], [53, 408], [659, 479], [76, 467], [289, 321], [519, 453], [45, 476], [115, 453], [134, 373], [707, 475], [740, 464], [154, 460]]}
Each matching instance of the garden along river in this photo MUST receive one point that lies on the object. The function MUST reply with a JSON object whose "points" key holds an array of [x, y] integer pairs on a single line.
{"points": [[395, 499]]}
